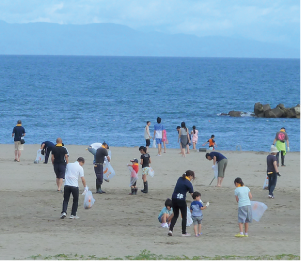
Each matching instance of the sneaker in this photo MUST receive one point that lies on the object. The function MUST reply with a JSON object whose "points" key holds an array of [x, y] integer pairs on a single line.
{"points": [[164, 225], [200, 233], [74, 217], [239, 235], [107, 180], [186, 235], [170, 233], [63, 215], [246, 235], [270, 196]]}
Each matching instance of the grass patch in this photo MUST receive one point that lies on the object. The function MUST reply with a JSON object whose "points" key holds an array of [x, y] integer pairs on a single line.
{"points": [[147, 255]]}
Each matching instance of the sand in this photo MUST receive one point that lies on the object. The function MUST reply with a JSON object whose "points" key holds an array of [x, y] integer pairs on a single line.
{"points": [[120, 224]]}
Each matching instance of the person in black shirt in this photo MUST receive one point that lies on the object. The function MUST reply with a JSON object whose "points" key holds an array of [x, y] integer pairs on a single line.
{"points": [[272, 170], [18, 133], [46, 148], [145, 161], [59, 160]]}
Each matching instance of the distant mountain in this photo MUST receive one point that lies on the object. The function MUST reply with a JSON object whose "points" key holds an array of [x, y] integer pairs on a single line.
{"points": [[120, 40]]}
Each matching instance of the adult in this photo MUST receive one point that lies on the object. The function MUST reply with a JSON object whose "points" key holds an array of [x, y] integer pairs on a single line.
{"points": [[221, 161], [73, 172], [158, 134], [46, 148], [178, 130], [184, 138], [147, 135], [18, 133], [145, 160], [280, 139], [179, 200], [195, 137], [59, 158], [272, 170], [99, 159]]}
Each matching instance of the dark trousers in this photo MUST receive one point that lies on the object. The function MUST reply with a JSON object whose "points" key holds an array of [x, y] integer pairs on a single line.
{"points": [[272, 182], [177, 205], [98, 168], [282, 157], [47, 152], [75, 193]]}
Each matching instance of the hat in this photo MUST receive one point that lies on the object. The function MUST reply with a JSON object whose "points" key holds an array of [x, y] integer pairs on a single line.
{"points": [[282, 128], [134, 160], [273, 149]]}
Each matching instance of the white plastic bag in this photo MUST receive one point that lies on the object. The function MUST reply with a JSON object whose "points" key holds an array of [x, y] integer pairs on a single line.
{"points": [[89, 200], [151, 172], [108, 171], [189, 219], [154, 144], [266, 183], [96, 145], [215, 169], [258, 208], [134, 175], [39, 157]]}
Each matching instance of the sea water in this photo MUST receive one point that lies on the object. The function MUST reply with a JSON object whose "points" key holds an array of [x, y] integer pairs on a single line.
{"points": [[86, 99]]}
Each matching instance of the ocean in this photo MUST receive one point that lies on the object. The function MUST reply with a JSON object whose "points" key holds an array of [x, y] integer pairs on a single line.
{"points": [[86, 99]]}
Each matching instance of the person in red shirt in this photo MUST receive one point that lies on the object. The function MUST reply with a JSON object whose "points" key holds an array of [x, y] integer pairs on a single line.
{"points": [[134, 168]]}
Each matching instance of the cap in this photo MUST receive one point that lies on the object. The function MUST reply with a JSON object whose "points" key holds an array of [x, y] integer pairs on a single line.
{"points": [[134, 160], [105, 143]]}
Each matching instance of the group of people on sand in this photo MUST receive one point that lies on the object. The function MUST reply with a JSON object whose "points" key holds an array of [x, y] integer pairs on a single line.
{"points": [[184, 137]]}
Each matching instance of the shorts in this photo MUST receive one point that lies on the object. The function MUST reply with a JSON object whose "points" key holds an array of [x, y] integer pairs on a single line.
{"points": [[18, 145], [59, 170], [211, 148], [222, 164], [197, 220], [158, 141], [245, 214], [145, 171], [147, 141], [160, 219]]}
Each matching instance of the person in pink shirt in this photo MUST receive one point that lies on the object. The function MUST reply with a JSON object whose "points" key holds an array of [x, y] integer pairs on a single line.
{"points": [[164, 140], [195, 137]]}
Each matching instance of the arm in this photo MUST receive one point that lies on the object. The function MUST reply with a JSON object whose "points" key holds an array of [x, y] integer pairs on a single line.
{"points": [[147, 131], [205, 143], [84, 181], [275, 166], [250, 195], [141, 162], [154, 134], [203, 207], [274, 141], [42, 146], [150, 161], [109, 159], [214, 160], [237, 199], [66, 158], [52, 158], [288, 143]]}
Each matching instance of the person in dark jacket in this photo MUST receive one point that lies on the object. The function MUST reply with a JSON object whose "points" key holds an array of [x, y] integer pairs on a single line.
{"points": [[46, 148], [18, 133]]}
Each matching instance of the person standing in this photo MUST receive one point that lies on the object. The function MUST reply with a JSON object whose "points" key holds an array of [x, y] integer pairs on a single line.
{"points": [[164, 140], [183, 186], [99, 159], [272, 170], [145, 161], [184, 138], [73, 172], [46, 148], [158, 134], [280, 139], [147, 135], [18, 133], [195, 137], [211, 142], [59, 158], [221, 161]]}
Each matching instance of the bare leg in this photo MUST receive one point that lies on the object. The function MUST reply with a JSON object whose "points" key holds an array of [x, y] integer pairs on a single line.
{"points": [[19, 155], [246, 228], [187, 147], [200, 228], [219, 182], [16, 155], [240, 227], [144, 178], [183, 152], [59, 183], [146, 149], [164, 218], [195, 228], [193, 145], [164, 146], [159, 149]]}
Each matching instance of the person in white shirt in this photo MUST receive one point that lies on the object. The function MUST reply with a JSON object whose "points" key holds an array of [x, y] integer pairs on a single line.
{"points": [[73, 172]]}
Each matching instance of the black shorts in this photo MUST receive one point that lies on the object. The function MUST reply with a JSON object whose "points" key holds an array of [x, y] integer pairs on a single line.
{"points": [[59, 170], [147, 142]]}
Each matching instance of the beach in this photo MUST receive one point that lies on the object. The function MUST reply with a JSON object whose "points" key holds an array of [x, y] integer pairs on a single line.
{"points": [[120, 225]]}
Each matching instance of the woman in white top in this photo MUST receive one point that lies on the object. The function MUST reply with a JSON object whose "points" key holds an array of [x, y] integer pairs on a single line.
{"points": [[147, 135]]}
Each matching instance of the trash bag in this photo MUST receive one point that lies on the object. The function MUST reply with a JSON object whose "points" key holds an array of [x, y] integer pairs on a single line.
{"points": [[215, 169], [258, 208], [189, 219], [266, 183], [151, 172], [154, 144], [108, 171], [89, 200], [134, 175], [39, 157]]}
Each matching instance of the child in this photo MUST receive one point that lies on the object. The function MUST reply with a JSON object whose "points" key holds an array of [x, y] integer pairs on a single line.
{"points": [[195, 136], [145, 161], [196, 208], [211, 142], [164, 140], [243, 197], [134, 176], [166, 214]]}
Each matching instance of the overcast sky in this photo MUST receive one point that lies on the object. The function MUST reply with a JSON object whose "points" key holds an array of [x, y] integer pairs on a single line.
{"points": [[263, 20]]}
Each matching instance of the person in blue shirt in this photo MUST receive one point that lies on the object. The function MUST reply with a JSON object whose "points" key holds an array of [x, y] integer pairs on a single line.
{"points": [[179, 200], [46, 148], [196, 208], [166, 214], [243, 198], [221, 161], [18, 134], [158, 134]]}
